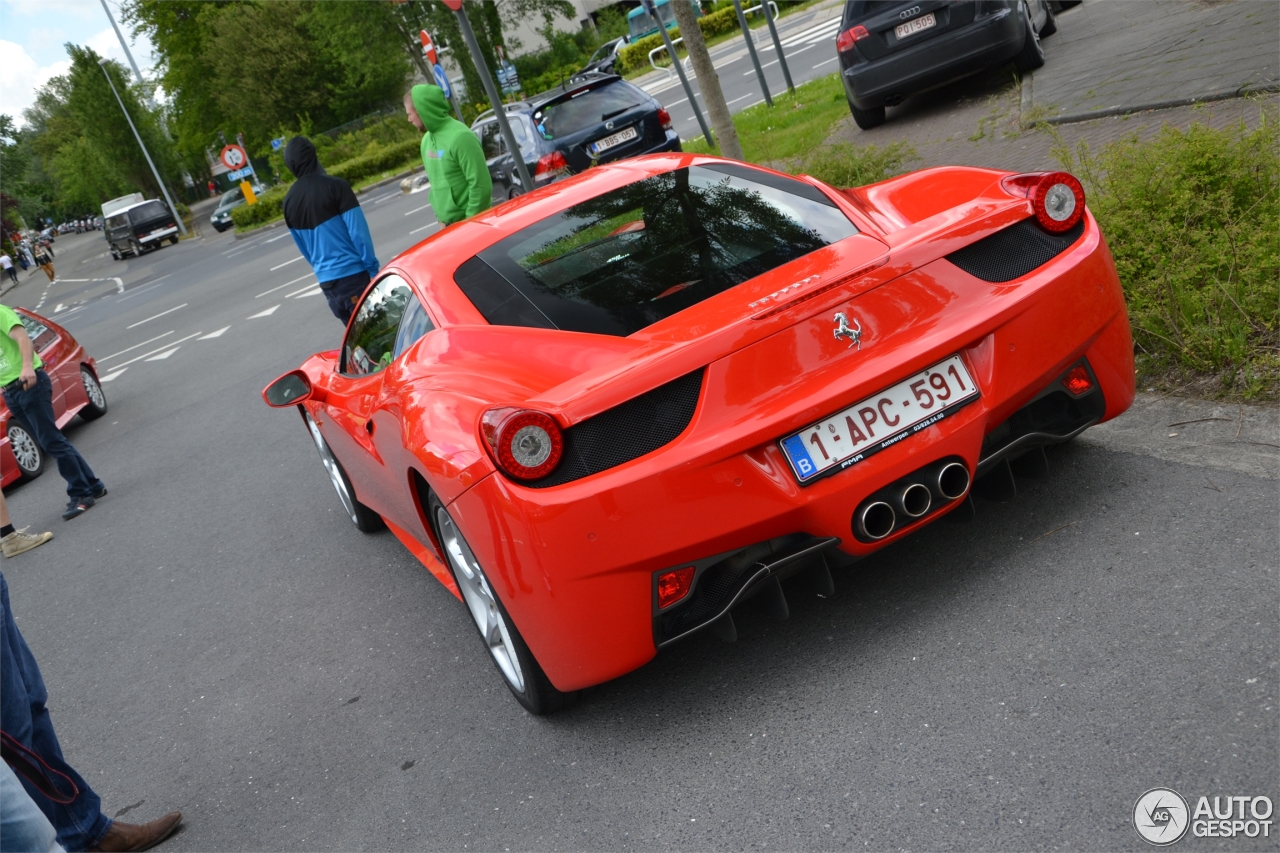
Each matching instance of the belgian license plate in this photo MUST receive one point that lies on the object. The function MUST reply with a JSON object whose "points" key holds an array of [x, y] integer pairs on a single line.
{"points": [[915, 25], [879, 421], [613, 140]]}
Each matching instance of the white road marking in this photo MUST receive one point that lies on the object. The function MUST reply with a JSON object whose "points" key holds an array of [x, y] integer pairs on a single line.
{"points": [[743, 98], [156, 317], [112, 375], [416, 209], [826, 62], [285, 264], [303, 290], [273, 239], [282, 286], [753, 103], [211, 335], [424, 227], [164, 354], [135, 346], [814, 33], [385, 197], [315, 291], [60, 307], [266, 313], [147, 355]]}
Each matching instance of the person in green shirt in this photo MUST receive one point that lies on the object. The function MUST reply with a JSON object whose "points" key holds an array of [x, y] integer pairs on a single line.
{"points": [[29, 395], [451, 154]]}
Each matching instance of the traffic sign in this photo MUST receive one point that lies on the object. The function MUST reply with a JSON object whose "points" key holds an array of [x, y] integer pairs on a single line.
{"points": [[240, 173], [233, 157], [442, 80], [277, 144], [428, 48]]}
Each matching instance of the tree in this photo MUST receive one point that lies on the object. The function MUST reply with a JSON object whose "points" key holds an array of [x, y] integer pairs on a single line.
{"points": [[708, 80]]}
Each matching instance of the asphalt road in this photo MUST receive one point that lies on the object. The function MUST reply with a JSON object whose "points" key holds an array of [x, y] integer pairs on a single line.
{"points": [[218, 638], [808, 41]]}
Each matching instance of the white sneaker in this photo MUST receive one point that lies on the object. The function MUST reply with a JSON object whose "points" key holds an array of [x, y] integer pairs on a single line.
{"points": [[20, 541]]}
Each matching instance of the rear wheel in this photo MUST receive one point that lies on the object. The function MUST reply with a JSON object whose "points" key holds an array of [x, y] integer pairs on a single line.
{"points": [[97, 400], [174, 239], [27, 451], [520, 670], [867, 119], [365, 519], [1031, 56]]}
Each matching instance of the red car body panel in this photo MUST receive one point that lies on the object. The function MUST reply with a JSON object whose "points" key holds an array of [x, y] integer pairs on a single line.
{"points": [[62, 356], [574, 563]]}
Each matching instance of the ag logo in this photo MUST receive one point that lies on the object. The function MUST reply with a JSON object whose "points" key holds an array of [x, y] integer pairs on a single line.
{"points": [[1161, 816]]}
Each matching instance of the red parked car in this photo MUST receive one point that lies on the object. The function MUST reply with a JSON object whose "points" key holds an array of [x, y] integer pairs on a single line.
{"points": [[608, 412], [76, 391]]}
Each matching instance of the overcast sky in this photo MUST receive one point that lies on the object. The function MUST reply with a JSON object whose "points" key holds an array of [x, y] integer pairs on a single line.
{"points": [[32, 38]]}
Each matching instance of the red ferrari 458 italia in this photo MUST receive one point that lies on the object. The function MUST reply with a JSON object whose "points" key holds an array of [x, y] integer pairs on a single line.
{"points": [[76, 391], [606, 413]]}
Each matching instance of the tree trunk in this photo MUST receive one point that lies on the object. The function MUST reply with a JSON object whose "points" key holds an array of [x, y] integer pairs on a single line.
{"points": [[708, 80]]}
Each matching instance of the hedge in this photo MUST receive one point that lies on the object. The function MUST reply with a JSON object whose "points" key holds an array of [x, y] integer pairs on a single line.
{"points": [[636, 55], [270, 206]]}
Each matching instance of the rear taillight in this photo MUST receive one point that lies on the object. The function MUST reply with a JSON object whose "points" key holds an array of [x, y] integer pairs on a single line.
{"points": [[664, 119], [526, 444], [844, 41], [1057, 198], [1077, 380], [550, 164], [674, 585]]}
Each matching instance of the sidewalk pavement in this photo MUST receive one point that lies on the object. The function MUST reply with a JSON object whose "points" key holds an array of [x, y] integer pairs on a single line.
{"points": [[1111, 57]]}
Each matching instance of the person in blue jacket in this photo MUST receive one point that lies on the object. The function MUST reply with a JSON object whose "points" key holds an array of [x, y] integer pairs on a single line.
{"points": [[329, 227]]}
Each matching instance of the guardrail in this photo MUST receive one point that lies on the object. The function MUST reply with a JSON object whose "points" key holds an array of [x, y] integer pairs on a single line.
{"points": [[773, 7]]}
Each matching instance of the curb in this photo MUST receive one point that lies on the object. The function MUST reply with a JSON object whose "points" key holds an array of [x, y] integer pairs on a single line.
{"points": [[1026, 101], [1221, 95], [240, 235]]}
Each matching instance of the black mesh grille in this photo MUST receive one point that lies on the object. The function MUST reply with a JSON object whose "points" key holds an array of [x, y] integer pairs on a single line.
{"points": [[627, 431], [1014, 251], [718, 584], [1056, 414]]}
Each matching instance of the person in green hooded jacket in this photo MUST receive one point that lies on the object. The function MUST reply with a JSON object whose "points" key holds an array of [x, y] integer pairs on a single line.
{"points": [[452, 156]]}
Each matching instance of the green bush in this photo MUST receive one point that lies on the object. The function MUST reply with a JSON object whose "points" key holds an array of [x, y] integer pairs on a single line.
{"points": [[270, 207], [1192, 221], [844, 165], [380, 159]]}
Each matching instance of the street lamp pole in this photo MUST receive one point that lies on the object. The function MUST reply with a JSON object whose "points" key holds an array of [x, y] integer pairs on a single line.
{"points": [[164, 189]]}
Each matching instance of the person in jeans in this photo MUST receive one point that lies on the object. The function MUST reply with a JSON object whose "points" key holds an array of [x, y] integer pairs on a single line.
{"points": [[80, 824], [29, 395], [329, 228]]}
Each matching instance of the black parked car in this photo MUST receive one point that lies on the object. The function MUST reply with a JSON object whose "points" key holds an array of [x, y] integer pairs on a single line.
{"points": [[605, 59], [889, 50], [145, 225], [592, 118]]}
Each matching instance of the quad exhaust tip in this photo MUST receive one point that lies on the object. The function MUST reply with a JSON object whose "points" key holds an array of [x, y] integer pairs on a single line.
{"points": [[877, 520], [953, 481], [915, 500]]}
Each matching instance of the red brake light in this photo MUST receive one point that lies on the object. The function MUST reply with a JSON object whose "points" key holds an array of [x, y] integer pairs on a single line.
{"points": [[549, 163], [1057, 198], [674, 585], [525, 444], [664, 119], [845, 40], [1077, 380]]}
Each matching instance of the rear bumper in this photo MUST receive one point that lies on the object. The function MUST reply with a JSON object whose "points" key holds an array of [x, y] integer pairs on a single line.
{"points": [[159, 235], [987, 41], [575, 564]]}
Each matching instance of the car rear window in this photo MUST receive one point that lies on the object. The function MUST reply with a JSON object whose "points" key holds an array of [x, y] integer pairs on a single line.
{"points": [[638, 254], [587, 108], [148, 211]]}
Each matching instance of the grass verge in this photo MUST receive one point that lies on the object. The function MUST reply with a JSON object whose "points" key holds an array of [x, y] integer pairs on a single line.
{"points": [[1193, 221]]}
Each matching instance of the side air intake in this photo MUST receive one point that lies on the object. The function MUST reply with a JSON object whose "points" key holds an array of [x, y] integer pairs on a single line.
{"points": [[1014, 251]]}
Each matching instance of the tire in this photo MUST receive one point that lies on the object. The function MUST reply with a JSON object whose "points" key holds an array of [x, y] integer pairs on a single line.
{"points": [[867, 119], [365, 519], [515, 192], [1031, 56], [519, 668], [136, 248], [173, 241], [27, 451], [1050, 23], [115, 254], [97, 406]]}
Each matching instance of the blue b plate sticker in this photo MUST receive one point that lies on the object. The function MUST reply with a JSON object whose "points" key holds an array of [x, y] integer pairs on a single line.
{"points": [[881, 420]]}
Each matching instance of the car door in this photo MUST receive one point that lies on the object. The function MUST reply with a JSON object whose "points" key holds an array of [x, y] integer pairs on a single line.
{"points": [[347, 421], [495, 156]]}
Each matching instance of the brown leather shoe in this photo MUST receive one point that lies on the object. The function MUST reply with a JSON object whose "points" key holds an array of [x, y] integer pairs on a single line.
{"points": [[132, 836]]}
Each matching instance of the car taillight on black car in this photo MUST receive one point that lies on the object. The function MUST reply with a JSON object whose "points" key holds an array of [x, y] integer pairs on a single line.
{"points": [[846, 39], [551, 164], [664, 119]]}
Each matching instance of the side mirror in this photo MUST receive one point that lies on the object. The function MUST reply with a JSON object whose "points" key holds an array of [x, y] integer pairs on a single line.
{"points": [[290, 390]]}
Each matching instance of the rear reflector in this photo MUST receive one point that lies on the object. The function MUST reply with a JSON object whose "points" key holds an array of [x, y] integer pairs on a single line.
{"points": [[1077, 380], [674, 585], [845, 40]]}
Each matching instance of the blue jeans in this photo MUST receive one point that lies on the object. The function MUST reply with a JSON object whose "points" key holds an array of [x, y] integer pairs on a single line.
{"points": [[343, 293], [80, 824], [34, 408], [23, 827]]}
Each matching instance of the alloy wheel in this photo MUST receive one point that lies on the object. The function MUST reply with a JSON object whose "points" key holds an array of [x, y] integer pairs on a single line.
{"points": [[335, 473], [92, 389], [25, 449], [480, 600]]}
